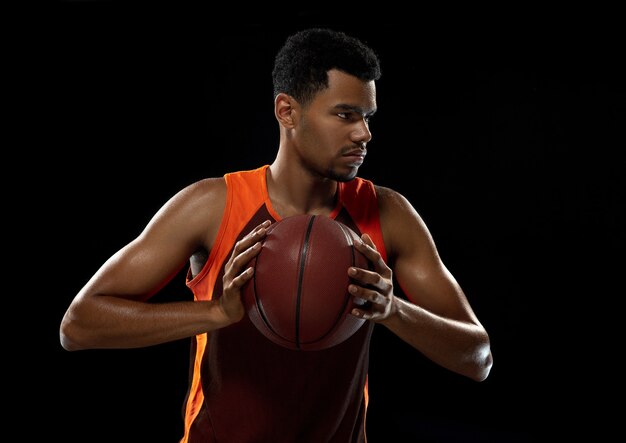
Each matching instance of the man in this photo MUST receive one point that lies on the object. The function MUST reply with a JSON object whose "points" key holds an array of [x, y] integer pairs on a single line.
{"points": [[245, 388]]}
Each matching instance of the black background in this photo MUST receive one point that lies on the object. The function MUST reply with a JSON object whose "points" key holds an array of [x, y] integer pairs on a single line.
{"points": [[505, 133]]}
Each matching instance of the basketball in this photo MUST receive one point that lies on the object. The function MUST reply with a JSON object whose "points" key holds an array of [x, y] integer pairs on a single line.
{"points": [[298, 297]]}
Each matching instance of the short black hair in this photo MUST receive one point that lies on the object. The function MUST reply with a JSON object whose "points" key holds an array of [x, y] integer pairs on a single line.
{"points": [[301, 66]]}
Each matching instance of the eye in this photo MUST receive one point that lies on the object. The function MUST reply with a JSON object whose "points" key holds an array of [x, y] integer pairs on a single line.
{"points": [[353, 116]]}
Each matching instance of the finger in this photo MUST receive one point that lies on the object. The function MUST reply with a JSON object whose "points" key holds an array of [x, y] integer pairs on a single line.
{"points": [[366, 277], [367, 247], [257, 234], [358, 313], [239, 261], [242, 278], [368, 240], [364, 313], [264, 225], [364, 295], [361, 306]]}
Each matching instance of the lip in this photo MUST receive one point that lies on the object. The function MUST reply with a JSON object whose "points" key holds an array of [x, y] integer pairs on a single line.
{"points": [[360, 153], [355, 157]]}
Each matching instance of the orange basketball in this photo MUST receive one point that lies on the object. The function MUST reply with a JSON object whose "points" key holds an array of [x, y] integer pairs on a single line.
{"points": [[298, 297]]}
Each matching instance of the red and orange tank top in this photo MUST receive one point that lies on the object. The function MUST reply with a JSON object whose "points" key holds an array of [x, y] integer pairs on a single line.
{"points": [[244, 388]]}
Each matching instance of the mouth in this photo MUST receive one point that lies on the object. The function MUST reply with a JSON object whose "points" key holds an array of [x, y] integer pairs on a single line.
{"points": [[354, 159], [356, 155]]}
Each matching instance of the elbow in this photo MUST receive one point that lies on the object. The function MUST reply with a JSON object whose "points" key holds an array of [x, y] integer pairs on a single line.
{"points": [[78, 330], [482, 362], [70, 336], [482, 368], [68, 344]]}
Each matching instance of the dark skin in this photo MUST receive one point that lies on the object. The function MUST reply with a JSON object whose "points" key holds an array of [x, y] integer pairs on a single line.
{"points": [[321, 143]]}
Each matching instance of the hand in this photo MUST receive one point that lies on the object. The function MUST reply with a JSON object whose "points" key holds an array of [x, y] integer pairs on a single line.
{"points": [[374, 287], [236, 274]]}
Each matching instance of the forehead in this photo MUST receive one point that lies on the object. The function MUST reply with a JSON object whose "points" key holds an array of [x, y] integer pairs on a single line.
{"points": [[345, 89]]}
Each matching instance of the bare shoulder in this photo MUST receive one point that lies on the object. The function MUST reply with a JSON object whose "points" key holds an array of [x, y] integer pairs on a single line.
{"points": [[400, 222], [201, 193], [393, 205], [387, 193], [197, 209]]}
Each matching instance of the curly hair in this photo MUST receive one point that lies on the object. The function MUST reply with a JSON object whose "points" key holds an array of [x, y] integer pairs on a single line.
{"points": [[301, 66]]}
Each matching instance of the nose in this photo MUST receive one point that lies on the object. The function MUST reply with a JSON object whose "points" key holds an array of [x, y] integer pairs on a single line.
{"points": [[362, 134]]}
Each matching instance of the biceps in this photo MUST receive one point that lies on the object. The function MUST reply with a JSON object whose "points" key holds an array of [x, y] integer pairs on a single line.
{"points": [[431, 286], [138, 271]]}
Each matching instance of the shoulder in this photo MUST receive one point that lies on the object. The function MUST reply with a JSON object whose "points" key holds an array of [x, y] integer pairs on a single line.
{"points": [[193, 214], [400, 222], [390, 200], [200, 193], [196, 204], [395, 209]]}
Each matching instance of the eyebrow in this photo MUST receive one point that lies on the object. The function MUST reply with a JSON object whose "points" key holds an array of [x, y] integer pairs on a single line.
{"points": [[355, 109]]}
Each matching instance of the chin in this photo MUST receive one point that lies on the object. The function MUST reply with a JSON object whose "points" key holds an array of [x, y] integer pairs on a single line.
{"points": [[344, 176]]}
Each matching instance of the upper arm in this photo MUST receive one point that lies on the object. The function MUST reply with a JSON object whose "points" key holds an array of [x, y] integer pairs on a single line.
{"points": [[415, 261], [185, 223]]}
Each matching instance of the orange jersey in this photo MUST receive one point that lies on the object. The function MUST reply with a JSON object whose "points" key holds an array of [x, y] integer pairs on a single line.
{"points": [[243, 387]]}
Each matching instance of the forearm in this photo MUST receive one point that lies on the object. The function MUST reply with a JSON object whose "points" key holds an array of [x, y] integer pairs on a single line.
{"points": [[461, 347], [112, 322]]}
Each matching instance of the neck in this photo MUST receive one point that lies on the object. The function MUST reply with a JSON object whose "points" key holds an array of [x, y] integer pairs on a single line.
{"points": [[297, 191]]}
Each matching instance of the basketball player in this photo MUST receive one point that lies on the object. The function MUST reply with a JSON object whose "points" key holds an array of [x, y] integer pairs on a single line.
{"points": [[244, 388]]}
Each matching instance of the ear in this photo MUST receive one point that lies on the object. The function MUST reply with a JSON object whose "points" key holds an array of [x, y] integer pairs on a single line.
{"points": [[285, 110]]}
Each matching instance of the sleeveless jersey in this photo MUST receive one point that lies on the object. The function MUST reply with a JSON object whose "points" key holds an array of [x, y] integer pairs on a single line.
{"points": [[246, 389]]}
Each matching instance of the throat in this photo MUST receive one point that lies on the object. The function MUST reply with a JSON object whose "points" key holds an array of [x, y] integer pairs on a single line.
{"points": [[288, 204], [291, 195]]}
